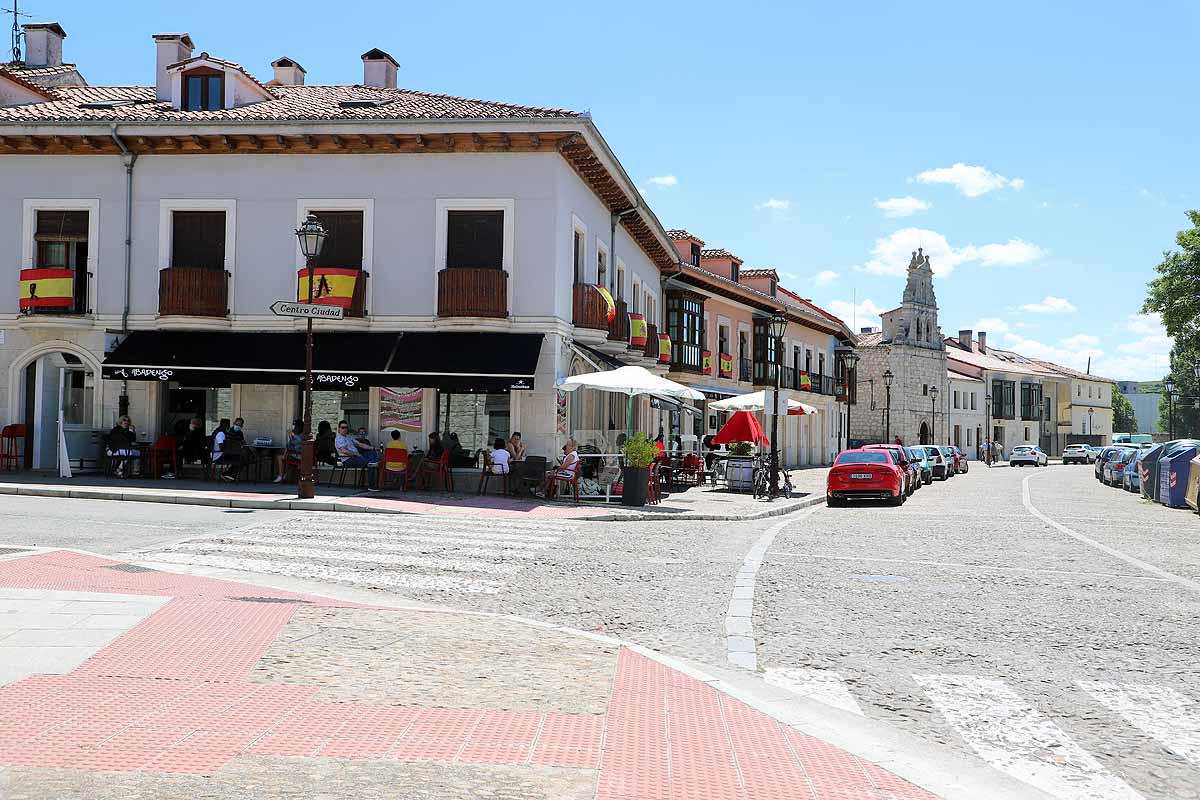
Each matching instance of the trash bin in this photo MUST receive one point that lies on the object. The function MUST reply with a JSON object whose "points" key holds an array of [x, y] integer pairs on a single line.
{"points": [[1148, 471], [1174, 469], [1193, 490]]}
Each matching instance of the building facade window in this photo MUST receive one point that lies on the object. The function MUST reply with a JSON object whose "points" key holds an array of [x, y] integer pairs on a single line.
{"points": [[956, 398], [343, 246], [685, 326], [766, 353], [602, 276], [203, 90], [620, 287], [198, 239], [474, 239], [820, 363], [695, 255], [1003, 399], [61, 242], [1031, 401], [972, 401], [580, 248], [723, 339]]}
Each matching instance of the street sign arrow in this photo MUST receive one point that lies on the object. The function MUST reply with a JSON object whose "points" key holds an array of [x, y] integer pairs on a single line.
{"points": [[284, 308]]}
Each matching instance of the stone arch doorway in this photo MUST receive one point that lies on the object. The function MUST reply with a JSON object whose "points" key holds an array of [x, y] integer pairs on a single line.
{"points": [[52, 380], [925, 437]]}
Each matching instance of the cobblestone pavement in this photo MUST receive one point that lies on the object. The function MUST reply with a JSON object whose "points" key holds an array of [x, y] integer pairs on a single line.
{"points": [[964, 619], [267, 693]]}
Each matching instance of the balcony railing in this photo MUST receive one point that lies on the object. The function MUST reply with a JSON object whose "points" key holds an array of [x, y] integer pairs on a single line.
{"points": [[618, 329], [651, 348], [464, 292], [54, 291], [588, 309], [193, 291], [686, 357]]}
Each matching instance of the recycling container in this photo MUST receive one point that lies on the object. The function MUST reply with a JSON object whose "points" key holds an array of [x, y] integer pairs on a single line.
{"points": [[1174, 470]]}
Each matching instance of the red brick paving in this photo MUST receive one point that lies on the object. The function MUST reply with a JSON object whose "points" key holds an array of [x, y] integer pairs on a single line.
{"points": [[169, 695]]}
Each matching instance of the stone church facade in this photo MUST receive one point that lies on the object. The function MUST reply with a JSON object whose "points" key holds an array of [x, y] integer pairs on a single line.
{"points": [[911, 346]]}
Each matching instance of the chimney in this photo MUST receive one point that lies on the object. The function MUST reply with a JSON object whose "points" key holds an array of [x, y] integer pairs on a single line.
{"points": [[379, 69], [982, 342], [172, 47], [43, 44], [288, 72], [964, 338]]}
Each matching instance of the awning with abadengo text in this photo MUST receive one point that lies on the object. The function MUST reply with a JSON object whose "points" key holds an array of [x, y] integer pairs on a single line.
{"points": [[451, 361]]}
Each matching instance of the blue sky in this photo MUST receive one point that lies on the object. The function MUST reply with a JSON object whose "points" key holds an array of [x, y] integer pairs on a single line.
{"points": [[1043, 153]]}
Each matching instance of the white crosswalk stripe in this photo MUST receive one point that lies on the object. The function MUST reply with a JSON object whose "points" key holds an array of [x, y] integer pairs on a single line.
{"points": [[823, 685], [1160, 712], [390, 552], [1015, 738]]}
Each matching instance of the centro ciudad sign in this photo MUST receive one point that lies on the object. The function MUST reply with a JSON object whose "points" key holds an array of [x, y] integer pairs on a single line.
{"points": [[284, 308]]}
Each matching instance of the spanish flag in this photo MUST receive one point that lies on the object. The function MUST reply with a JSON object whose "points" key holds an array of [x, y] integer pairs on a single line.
{"points": [[47, 288], [637, 330], [332, 286], [664, 349], [707, 362], [726, 365], [805, 381], [612, 306]]}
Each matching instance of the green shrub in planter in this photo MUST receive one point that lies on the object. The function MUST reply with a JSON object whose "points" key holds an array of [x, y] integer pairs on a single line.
{"points": [[741, 449], [639, 454], [639, 451]]}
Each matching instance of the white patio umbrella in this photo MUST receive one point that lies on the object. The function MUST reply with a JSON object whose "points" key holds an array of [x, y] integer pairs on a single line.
{"points": [[756, 401], [630, 381]]}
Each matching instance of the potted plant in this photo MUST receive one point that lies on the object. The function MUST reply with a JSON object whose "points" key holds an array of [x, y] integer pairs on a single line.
{"points": [[739, 467], [639, 453]]}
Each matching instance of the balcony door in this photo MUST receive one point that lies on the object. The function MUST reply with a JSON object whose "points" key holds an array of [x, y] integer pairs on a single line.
{"points": [[61, 240]]}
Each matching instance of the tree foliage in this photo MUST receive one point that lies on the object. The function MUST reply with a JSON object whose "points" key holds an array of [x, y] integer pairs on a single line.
{"points": [[1175, 292], [1124, 420]]}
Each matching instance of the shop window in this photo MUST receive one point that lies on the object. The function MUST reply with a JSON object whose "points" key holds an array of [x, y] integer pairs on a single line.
{"points": [[477, 418], [198, 239], [343, 246], [333, 407], [61, 242], [203, 90], [475, 239]]}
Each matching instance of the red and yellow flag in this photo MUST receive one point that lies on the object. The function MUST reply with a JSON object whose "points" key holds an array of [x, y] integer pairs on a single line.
{"points": [[637, 330], [664, 349], [612, 305], [725, 364], [805, 381], [47, 288], [706, 362], [332, 286]]}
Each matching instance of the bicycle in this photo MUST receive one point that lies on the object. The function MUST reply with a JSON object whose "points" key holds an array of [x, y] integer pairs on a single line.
{"points": [[762, 482]]}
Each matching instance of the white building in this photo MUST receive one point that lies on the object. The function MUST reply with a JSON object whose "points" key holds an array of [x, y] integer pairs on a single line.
{"points": [[473, 232], [964, 410]]}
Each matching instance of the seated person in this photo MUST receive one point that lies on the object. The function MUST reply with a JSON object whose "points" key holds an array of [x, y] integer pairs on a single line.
{"points": [[436, 448], [193, 447], [224, 452], [122, 441], [393, 462], [351, 454], [459, 457], [291, 452], [500, 457], [567, 469], [516, 447], [326, 450], [658, 444]]}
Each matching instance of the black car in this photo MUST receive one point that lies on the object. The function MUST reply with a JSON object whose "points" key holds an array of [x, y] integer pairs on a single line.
{"points": [[1104, 455]]}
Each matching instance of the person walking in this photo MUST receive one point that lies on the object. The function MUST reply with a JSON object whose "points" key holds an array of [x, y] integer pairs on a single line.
{"points": [[987, 452]]}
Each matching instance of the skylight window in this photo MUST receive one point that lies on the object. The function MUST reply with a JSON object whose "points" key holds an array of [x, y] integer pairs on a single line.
{"points": [[364, 103], [108, 104]]}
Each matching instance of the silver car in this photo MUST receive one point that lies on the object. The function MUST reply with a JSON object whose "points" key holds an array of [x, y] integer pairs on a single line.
{"points": [[1024, 454]]}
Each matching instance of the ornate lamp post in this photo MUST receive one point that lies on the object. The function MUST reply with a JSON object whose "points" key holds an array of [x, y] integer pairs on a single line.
{"points": [[1091, 422], [933, 393], [887, 425], [850, 360], [776, 328], [1169, 385], [312, 237]]}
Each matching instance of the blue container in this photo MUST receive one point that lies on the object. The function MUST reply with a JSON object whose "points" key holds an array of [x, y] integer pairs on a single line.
{"points": [[1173, 471]]}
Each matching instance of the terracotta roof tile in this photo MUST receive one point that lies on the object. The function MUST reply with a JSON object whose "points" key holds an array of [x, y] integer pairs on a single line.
{"points": [[293, 103], [679, 233], [34, 73], [719, 252], [759, 273], [1074, 373], [870, 339], [20, 80]]}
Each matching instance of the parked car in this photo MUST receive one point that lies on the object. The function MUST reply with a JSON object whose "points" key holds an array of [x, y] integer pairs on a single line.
{"points": [[951, 458], [1114, 465], [924, 466], [1024, 454], [961, 458], [865, 473], [1101, 457], [1077, 454], [938, 461], [911, 475], [1131, 480]]}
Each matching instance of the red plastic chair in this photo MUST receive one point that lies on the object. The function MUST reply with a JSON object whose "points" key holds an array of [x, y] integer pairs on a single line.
{"points": [[395, 467], [164, 454], [440, 469], [556, 478], [12, 438], [653, 495]]}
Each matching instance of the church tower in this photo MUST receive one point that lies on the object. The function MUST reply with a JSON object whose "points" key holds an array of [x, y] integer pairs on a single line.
{"points": [[915, 322]]}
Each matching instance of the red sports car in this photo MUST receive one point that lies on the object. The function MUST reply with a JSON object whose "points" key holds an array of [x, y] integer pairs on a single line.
{"points": [[865, 474]]}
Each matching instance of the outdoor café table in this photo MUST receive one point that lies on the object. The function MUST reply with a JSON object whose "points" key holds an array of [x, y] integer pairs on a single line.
{"points": [[256, 455]]}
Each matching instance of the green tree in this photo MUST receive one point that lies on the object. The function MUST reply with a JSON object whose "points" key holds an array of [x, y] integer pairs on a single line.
{"points": [[1175, 293], [1124, 420]]}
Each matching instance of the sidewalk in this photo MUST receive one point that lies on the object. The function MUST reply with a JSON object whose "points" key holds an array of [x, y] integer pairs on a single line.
{"points": [[696, 503], [171, 685]]}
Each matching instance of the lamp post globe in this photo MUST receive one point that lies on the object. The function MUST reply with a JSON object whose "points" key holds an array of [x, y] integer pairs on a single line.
{"points": [[776, 328], [1196, 369], [1091, 421], [311, 235]]}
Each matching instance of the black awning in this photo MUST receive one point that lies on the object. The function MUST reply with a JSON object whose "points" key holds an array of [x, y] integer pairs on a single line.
{"points": [[456, 362]]}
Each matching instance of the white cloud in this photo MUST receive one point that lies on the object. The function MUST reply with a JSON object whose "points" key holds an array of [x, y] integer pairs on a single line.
{"points": [[891, 255], [1073, 351], [825, 277], [1132, 368], [1142, 324], [1147, 346], [857, 316], [665, 180], [992, 325], [1081, 341], [970, 180], [773, 204], [902, 206], [1050, 305]]}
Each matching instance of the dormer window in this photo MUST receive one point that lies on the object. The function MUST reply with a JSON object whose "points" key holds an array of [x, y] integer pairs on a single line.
{"points": [[203, 90]]}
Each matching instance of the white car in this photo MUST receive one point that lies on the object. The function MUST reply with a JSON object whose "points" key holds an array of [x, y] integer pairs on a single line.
{"points": [[1077, 454], [1024, 454]]}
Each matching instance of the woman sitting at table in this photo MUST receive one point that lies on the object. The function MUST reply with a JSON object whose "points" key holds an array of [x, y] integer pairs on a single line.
{"points": [[326, 444], [291, 453], [516, 448], [122, 441], [565, 470]]}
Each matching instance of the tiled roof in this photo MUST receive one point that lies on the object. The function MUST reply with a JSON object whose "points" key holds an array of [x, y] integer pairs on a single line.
{"points": [[759, 273], [1074, 373], [35, 73], [994, 359], [719, 252], [798, 300], [870, 339], [20, 80], [679, 233], [294, 104], [954, 374]]}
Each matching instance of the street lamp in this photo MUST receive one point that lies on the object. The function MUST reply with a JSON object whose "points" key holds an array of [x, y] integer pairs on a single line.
{"points": [[887, 426], [1091, 422], [1169, 385], [312, 237], [933, 393], [850, 360], [776, 328], [1196, 370]]}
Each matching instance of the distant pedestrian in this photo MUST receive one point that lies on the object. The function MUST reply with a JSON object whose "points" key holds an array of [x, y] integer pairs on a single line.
{"points": [[987, 452]]}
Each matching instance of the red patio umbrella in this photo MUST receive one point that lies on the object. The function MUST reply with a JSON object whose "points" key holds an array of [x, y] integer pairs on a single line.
{"points": [[741, 427]]}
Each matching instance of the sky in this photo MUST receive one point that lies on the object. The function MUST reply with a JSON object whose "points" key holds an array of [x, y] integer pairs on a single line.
{"points": [[1043, 154]]}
